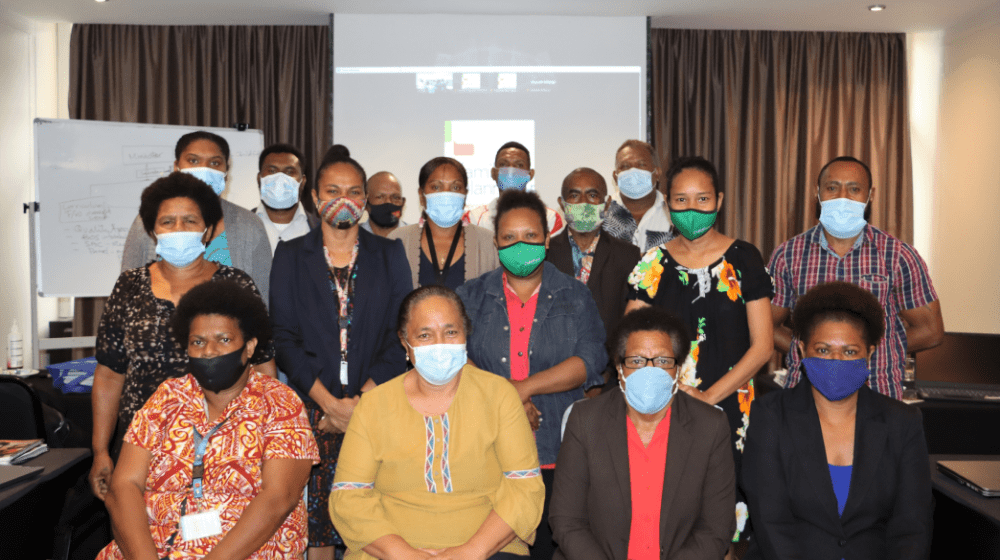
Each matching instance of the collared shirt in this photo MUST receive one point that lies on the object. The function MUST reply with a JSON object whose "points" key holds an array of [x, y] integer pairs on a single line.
{"points": [[483, 216], [653, 230], [646, 466], [298, 227], [583, 259], [367, 225], [521, 315], [880, 263]]}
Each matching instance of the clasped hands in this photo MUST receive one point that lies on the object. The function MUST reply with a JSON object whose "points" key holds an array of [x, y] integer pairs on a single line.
{"points": [[530, 410]]}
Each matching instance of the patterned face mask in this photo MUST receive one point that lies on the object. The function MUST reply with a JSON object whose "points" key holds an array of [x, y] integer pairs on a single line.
{"points": [[692, 223], [584, 217], [341, 213]]}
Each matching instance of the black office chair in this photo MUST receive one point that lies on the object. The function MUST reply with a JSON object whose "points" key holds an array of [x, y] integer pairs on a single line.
{"points": [[21, 415]]}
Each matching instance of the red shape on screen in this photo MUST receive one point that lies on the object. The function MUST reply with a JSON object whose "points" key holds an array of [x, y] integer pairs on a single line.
{"points": [[464, 149]]}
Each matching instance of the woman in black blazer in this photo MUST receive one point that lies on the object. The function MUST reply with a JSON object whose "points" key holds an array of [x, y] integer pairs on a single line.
{"points": [[335, 295], [831, 468]]}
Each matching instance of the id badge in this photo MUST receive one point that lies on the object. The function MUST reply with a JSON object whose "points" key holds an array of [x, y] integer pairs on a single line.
{"points": [[201, 525], [343, 372]]}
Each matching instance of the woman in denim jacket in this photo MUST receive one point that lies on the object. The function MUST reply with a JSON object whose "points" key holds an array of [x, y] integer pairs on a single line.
{"points": [[537, 327]]}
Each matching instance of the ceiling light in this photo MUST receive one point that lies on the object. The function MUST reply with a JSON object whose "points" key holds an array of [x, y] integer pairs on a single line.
{"points": [[873, 7], [100, 1]]}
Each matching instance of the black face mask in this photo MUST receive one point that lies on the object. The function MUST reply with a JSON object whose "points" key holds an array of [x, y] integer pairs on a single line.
{"points": [[218, 373], [382, 214]]}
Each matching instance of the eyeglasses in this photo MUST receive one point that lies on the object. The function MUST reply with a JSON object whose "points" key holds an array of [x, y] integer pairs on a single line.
{"points": [[639, 362]]}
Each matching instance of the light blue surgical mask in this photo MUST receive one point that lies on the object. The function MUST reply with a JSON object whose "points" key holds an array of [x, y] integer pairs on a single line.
{"points": [[439, 363], [635, 183], [648, 389], [279, 191], [842, 218], [445, 208], [512, 178], [180, 248], [211, 177]]}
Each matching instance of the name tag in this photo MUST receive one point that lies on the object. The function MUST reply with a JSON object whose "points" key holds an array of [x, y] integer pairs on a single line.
{"points": [[201, 525], [343, 373]]}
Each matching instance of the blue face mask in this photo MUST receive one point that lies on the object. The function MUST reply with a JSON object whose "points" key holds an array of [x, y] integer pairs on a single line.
{"points": [[445, 208], [512, 178], [836, 379], [211, 177], [180, 248], [842, 218], [439, 363], [648, 389], [279, 191], [635, 183]]}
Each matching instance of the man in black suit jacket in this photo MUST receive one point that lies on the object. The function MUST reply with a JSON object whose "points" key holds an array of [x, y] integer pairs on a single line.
{"points": [[602, 262]]}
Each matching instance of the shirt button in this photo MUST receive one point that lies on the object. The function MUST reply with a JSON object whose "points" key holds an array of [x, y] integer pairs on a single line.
{"points": [[520, 353], [521, 329], [550, 296], [505, 327], [503, 359], [534, 320]]}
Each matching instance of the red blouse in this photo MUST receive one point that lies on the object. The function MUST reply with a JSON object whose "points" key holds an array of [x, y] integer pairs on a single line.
{"points": [[647, 467]]}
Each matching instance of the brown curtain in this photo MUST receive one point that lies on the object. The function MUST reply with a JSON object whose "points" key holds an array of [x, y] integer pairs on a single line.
{"points": [[275, 78], [769, 108]]}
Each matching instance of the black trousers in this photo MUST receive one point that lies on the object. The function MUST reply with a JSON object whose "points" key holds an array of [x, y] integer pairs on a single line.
{"points": [[544, 547]]}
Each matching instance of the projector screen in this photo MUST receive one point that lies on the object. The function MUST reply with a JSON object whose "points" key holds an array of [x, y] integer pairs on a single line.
{"points": [[408, 88]]}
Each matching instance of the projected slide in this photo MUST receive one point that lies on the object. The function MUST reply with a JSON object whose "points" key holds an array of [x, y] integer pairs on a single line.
{"points": [[571, 89], [475, 144]]}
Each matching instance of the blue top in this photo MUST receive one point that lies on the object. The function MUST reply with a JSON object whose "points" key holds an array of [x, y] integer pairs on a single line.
{"points": [[453, 278], [841, 477]]}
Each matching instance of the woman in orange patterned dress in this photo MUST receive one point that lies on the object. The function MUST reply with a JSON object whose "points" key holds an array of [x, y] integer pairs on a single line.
{"points": [[719, 288], [214, 464]]}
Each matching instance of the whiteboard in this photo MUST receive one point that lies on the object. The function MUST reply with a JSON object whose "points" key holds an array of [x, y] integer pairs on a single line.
{"points": [[88, 180]]}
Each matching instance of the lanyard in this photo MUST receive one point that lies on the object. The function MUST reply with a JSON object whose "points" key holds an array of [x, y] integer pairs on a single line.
{"points": [[200, 445], [344, 295], [438, 273]]}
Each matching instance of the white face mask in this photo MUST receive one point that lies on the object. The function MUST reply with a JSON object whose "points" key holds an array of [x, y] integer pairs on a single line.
{"points": [[279, 191], [211, 177]]}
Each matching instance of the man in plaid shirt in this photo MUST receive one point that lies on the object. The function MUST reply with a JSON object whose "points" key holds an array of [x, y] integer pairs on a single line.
{"points": [[845, 247]]}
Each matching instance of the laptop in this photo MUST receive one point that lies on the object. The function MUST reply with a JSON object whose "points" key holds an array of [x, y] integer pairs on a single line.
{"points": [[12, 474], [981, 476], [964, 367]]}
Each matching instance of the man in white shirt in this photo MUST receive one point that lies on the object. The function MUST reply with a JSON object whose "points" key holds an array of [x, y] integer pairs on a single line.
{"points": [[511, 171], [281, 182], [638, 214]]}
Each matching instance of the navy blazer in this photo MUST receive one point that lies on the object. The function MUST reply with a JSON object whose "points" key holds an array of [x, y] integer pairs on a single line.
{"points": [[566, 324], [305, 319], [792, 504], [591, 509]]}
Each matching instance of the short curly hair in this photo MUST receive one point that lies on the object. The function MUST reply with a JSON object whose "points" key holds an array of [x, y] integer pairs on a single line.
{"points": [[650, 319], [179, 185], [511, 199], [229, 299], [839, 301]]}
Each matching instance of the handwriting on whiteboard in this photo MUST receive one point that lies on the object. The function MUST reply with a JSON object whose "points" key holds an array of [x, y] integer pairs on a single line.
{"points": [[97, 239], [93, 209]]}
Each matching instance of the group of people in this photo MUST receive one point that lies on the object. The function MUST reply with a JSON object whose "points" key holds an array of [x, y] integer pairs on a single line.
{"points": [[505, 380]]}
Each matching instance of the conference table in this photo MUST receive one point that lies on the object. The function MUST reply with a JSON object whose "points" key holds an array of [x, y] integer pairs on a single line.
{"points": [[30, 509], [966, 524]]}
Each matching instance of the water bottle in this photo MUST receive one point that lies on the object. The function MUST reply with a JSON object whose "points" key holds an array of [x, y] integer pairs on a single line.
{"points": [[15, 348]]}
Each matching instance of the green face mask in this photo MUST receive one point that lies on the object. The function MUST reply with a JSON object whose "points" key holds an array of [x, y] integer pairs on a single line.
{"points": [[584, 217], [521, 259], [692, 224]]}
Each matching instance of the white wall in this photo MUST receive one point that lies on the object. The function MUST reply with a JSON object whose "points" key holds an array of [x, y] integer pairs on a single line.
{"points": [[34, 64], [965, 198]]}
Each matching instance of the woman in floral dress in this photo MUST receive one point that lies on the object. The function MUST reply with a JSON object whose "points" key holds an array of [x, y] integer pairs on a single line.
{"points": [[719, 287]]}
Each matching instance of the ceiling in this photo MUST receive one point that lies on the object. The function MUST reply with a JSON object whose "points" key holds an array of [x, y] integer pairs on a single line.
{"points": [[813, 15]]}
